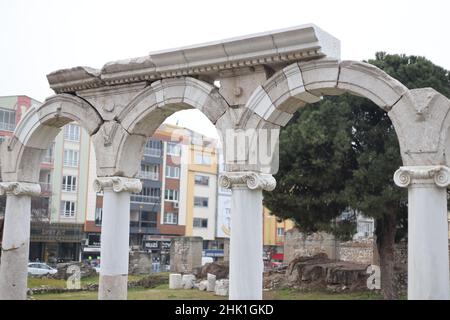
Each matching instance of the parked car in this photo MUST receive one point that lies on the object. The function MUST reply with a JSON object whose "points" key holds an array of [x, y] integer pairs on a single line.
{"points": [[39, 269]]}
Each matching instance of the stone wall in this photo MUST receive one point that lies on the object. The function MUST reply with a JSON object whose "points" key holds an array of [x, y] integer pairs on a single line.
{"points": [[357, 251], [140, 262], [185, 254], [297, 244]]}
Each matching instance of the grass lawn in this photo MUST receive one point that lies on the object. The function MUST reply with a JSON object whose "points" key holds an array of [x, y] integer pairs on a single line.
{"points": [[163, 293], [34, 282]]}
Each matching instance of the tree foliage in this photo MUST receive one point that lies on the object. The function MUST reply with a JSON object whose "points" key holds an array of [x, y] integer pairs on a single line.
{"points": [[343, 152]]}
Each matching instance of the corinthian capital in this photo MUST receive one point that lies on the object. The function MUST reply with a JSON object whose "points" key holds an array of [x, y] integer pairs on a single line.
{"points": [[251, 180], [415, 175], [20, 189], [118, 184]]}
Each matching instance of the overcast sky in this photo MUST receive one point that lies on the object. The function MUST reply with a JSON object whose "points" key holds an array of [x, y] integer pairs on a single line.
{"points": [[41, 36]]}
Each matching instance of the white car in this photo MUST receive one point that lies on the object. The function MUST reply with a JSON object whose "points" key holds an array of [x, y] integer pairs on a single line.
{"points": [[39, 269]]}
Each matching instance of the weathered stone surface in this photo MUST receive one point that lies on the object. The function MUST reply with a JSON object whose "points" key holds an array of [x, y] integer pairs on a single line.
{"points": [[120, 153], [221, 288], [357, 251], [175, 281], [368, 81], [113, 287], [421, 122], [85, 270], [319, 272], [140, 262], [203, 285], [186, 254], [188, 281], [220, 269], [297, 244], [211, 282]]}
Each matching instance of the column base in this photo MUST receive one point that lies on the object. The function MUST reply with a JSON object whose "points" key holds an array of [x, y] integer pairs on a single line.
{"points": [[113, 287]]}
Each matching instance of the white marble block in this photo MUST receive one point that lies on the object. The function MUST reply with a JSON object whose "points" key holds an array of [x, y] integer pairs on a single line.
{"points": [[175, 281]]}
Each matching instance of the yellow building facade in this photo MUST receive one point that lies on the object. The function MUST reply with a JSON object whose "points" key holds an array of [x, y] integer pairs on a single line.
{"points": [[274, 230], [201, 193]]}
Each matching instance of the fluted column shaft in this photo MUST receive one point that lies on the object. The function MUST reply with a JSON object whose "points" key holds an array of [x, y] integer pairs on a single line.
{"points": [[428, 259], [16, 239], [115, 235], [246, 243]]}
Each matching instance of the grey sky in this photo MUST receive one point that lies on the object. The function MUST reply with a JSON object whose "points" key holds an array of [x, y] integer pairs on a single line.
{"points": [[37, 37]]}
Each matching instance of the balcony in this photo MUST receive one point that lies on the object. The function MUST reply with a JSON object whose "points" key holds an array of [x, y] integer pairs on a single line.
{"points": [[47, 160], [137, 198], [4, 126], [148, 175], [152, 152], [136, 228]]}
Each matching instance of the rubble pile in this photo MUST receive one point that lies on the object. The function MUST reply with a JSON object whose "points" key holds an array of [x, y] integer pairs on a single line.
{"points": [[319, 272]]}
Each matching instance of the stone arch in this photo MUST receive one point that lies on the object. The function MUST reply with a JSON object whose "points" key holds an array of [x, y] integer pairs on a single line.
{"points": [[22, 153], [123, 139], [275, 102]]}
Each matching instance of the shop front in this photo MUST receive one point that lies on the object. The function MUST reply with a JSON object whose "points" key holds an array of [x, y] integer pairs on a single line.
{"points": [[55, 242]]}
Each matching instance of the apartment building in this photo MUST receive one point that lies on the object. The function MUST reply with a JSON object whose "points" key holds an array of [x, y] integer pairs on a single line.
{"points": [[202, 190], [274, 230], [157, 213]]}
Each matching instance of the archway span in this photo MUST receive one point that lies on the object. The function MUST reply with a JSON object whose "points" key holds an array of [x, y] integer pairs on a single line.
{"points": [[22, 153], [302, 83], [413, 113], [124, 139]]}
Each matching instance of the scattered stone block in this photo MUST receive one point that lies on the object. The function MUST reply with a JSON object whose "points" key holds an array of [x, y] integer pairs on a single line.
{"points": [[221, 288], [203, 285], [175, 281], [188, 281], [211, 282]]}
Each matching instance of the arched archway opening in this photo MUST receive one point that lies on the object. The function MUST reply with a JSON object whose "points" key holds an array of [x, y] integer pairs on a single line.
{"points": [[420, 130], [26, 184]]}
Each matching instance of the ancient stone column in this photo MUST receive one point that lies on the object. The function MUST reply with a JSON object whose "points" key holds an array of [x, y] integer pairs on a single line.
{"points": [[246, 243], [16, 239], [428, 258], [115, 235]]}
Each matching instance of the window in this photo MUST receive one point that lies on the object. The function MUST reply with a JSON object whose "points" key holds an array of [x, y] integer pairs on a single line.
{"points": [[203, 159], [173, 149], [200, 223], [71, 158], [72, 132], [172, 195], [173, 172], [7, 120], [201, 180], [48, 158], [98, 216], [147, 195], [69, 183], [68, 209], [148, 219], [149, 171], [170, 218], [152, 148], [200, 202], [280, 232]]}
